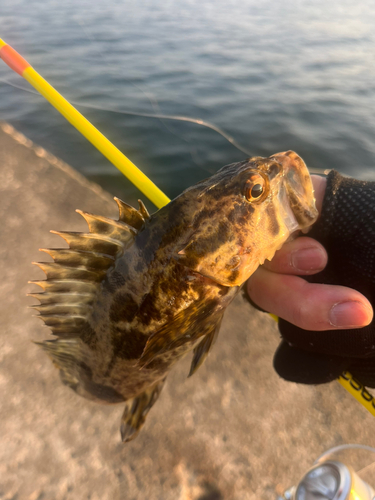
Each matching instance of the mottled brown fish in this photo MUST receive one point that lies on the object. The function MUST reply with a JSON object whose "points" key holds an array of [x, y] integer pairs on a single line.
{"points": [[131, 297]]}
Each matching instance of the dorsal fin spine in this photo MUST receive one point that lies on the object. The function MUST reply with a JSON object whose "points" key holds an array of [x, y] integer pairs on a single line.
{"points": [[103, 225], [59, 286], [143, 210], [54, 270], [130, 215], [63, 297], [63, 308], [91, 260], [89, 236]]}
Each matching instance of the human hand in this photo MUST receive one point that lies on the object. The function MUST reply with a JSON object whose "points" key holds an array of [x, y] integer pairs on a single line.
{"points": [[307, 307], [278, 288]]}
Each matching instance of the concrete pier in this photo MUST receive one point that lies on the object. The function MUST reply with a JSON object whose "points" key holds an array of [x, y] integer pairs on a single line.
{"points": [[233, 431]]}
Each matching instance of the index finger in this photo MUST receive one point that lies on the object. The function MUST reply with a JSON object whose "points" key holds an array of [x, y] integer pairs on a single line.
{"points": [[302, 256]]}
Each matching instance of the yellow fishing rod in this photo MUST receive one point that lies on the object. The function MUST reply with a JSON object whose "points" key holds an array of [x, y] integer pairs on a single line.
{"points": [[18, 64]]}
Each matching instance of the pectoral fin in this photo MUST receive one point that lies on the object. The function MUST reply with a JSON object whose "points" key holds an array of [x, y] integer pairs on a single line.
{"points": [[187, 327], [203, 348]]}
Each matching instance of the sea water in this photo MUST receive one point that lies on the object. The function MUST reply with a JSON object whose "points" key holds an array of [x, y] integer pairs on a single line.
{"points": [[272, 75]]}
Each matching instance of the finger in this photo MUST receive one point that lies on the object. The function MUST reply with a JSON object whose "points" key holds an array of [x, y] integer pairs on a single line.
{"points": [[301, 256], [308, 305]]}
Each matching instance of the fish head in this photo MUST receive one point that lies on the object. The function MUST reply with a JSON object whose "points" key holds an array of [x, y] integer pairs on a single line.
{"points": [[246, 211]]}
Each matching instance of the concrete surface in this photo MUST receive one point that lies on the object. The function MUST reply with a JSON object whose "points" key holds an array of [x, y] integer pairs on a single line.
{"points": [[233, 431]]}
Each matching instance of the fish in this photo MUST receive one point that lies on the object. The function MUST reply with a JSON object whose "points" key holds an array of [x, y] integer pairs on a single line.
{"points": [[131, 297]]}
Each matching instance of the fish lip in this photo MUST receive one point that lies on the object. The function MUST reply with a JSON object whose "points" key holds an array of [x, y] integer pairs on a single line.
{"points": [[296, 213], [288, 214], [300, 191], [304, 213]]}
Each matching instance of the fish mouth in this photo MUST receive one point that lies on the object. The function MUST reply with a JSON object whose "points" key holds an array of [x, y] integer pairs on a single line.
{"points": [[305, 213], [286, 212], [299, 188]]}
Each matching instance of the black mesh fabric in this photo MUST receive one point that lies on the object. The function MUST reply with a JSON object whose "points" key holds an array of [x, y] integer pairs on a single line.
{"points": [[346, 228]]}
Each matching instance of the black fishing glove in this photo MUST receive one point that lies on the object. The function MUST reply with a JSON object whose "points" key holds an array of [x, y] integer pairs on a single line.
{"points": [[346, 228]]}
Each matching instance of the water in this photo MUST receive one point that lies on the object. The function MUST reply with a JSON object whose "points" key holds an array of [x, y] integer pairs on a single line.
{"points": [[273, 75]]}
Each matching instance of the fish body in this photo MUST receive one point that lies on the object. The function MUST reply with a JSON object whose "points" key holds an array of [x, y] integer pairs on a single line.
{"points": [[131, 297]]}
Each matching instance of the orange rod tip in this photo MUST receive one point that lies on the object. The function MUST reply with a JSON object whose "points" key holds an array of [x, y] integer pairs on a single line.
{"points": [[13, 59]]}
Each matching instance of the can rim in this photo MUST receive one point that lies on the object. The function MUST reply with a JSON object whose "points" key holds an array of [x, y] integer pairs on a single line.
{"points": [[344, 479]]}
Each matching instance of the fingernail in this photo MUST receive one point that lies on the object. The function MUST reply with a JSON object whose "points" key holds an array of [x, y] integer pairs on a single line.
{"points": [[350, 314], [308, 259]]}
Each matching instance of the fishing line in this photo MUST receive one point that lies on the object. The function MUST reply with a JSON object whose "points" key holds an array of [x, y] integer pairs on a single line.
{"points": [[158, 116], [150, 97]]}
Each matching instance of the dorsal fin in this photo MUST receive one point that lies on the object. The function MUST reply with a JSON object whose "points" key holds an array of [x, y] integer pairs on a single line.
{"points": [[65, 286], [73, 279], [88, 242], [73, 258], [143, 210], [61, 298], [132, 216], [117, 230], [57, 271]]}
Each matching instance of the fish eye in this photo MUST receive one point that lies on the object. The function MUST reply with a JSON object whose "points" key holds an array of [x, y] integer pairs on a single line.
{"points": [[256, 191], [254, 188]]}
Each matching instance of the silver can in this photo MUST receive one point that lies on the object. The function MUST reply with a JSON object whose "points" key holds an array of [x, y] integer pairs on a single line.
{"points": [[330, 480]]}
